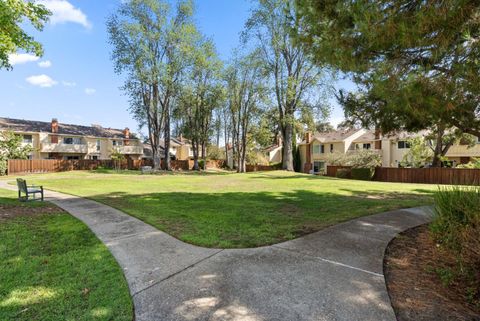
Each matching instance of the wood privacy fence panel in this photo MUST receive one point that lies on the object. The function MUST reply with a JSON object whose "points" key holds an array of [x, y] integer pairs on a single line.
{"points": [[55, 165], [259, 168], [451, 176], [457, 176], [332, 170]]}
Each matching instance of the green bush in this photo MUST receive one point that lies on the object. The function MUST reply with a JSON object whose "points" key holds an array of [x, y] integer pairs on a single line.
{"points": [[456, 229], [364, 174], [457, 209], [344, 173], [3, 166], [200, 163]]}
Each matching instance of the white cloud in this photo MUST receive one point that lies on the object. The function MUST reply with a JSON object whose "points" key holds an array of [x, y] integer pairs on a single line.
{"points": [[45, 64], [90, 91], [63, 11], [69, 83], [43, 81], [23, 58]]}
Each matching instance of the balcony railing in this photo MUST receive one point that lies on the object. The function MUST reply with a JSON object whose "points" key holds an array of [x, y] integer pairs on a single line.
{"points": [[64, 148], [130, 149]]}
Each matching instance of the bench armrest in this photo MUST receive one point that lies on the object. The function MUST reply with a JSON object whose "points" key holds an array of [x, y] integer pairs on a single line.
{"points": [[35, 186]]}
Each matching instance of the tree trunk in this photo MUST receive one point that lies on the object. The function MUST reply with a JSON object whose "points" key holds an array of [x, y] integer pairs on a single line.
{"points": [[157, 159], [437, 152], [287, 161], [167, 139], [204, 156]]}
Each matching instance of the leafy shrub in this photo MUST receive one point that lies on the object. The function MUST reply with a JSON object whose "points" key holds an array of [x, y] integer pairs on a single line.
{"points": [[200, 163], [364, 174], [356, 159], [3, 166], [474, 164], [344, 173], [456, 228]]}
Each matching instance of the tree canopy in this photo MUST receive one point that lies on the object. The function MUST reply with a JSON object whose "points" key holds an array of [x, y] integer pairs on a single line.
{"points": [[416, 58], [13, 13]]}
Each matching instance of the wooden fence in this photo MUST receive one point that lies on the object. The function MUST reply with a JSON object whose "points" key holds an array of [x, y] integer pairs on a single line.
{"points": [[258, 168], [332, 170], [457, 176], [16, 166]]}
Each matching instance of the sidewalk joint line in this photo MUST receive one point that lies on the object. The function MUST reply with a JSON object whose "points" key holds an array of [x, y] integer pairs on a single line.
{"points": [[176, 273], [331, 261]]}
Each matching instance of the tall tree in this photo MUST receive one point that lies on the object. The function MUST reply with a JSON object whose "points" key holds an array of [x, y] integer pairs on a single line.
{"points": [[201, 94], [245, 92], [13, 14], [295, 80], [417, 56], [148, 41]]}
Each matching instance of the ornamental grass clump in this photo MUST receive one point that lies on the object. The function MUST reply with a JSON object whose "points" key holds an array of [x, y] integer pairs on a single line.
{"points": [[456, 229]]}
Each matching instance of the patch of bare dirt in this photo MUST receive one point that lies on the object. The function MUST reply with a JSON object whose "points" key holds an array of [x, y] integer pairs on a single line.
{"points": [[8, 211], [416, 290]]}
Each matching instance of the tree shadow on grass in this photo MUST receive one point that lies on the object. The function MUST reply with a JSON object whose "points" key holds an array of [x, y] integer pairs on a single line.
{"points": [[252, 219]]}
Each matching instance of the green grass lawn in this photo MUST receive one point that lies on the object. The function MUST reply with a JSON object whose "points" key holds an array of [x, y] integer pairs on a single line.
{"points": [[52, 267], [237, 210]]}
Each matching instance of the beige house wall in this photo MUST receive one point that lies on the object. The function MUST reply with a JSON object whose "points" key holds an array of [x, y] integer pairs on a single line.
{"points": [[42, 146], [275, 156]]}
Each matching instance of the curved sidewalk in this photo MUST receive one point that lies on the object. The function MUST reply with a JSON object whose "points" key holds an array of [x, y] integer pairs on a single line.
{"points": [[334, 274]]}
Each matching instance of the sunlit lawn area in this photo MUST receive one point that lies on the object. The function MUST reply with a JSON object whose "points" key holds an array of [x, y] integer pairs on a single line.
{"points": [[237, 210], [52, 267]]}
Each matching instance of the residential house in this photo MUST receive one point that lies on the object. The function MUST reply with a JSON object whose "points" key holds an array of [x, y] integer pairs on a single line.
{"points": [[55, 140], [180, 149], [274, 152], [315, 149]]}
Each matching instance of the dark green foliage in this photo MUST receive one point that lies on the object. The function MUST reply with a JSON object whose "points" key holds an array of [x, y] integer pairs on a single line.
{"points": [[364, 174], [417, 61], [297, 163], [344, 173]]}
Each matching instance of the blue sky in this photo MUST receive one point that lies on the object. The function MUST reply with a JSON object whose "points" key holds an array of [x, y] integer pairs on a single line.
{"points": [[74, 81]]}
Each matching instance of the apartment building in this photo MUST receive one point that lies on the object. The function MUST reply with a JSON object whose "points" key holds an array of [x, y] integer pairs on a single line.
{"points": [[55, 140], [315, 149]]}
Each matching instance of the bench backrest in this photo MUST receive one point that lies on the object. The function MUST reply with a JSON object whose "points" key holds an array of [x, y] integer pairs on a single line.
{"points": [[22, 185]]}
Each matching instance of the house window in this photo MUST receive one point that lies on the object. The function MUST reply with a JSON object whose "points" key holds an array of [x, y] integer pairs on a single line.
{"points": [[117, 143], [72, 157], [94, 157], [72, 140], [331, 148], [98, 145], [318, 149], [318, 167], [402, 144], [367, 146], [28, 139]]}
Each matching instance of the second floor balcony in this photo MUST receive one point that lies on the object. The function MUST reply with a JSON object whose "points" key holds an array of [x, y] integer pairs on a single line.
{"points": [[64, 148], [130, 149]]}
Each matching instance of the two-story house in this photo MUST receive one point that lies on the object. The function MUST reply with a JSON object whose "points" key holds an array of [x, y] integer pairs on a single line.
{"points": [[315, 149], [54, 140]]}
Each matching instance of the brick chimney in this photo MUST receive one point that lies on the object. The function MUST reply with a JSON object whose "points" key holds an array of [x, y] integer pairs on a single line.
{"points": [[54, 130], [54, 125], [378, 141], [126, 132], [308, 137]]}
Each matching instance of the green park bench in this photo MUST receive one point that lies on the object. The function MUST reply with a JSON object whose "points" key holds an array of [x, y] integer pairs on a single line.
{"points": [[28, 190]]}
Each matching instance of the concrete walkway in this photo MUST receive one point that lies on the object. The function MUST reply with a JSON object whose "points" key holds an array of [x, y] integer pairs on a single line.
{"points": [[335, 274]]}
